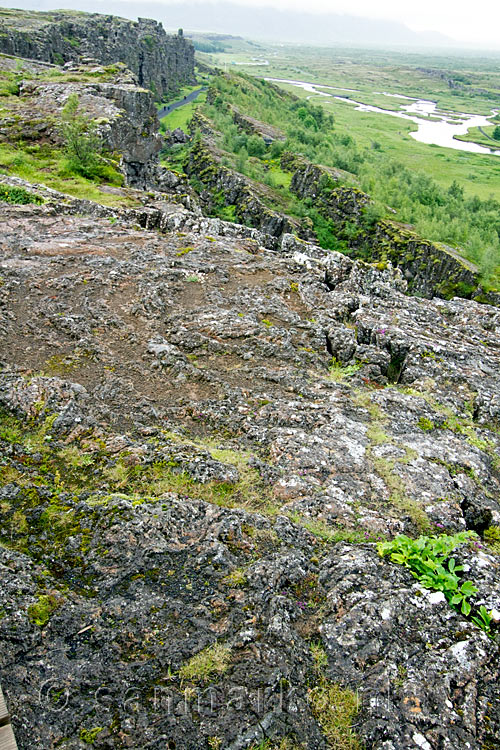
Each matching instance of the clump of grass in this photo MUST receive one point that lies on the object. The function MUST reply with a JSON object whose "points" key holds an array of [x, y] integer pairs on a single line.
{"points": [[117, 475], [282, 744], [10, 428], [385, 469], [213, 660], [74, 458], [376, 435], [338, 371], [319, 656], [236, 578], [333, 706], [331, 534]]}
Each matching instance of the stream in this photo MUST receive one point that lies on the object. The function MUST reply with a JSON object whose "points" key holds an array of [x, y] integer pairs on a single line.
{"points": [[440, 130]]}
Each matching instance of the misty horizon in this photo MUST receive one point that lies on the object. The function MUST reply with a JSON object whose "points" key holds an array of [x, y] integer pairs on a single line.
{"points": [[266, 22]]}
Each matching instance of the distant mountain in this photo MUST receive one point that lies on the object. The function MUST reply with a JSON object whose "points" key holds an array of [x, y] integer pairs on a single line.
{"points": [[259, 22]]}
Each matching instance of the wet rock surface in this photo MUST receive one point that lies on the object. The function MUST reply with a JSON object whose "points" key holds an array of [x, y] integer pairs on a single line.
{"points": [[203, 435]]}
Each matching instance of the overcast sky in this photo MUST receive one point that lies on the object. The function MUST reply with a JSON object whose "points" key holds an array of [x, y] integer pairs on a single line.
{"points": [[456, 18], [477, 24]]}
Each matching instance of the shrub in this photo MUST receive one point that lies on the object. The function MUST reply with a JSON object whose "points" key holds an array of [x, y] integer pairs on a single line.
{"points": [[81, 140], [256, 146], [10, 194]]}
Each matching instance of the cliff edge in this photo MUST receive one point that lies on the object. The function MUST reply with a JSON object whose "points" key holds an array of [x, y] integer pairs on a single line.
{"points": [[160, 61]]}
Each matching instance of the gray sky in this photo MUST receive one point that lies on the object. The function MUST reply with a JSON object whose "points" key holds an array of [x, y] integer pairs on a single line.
{"points": [[456, 18]]}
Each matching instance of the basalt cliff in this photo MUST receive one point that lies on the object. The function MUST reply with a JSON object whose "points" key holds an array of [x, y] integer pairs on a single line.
{"points": [[160, 61], [208, 431]]}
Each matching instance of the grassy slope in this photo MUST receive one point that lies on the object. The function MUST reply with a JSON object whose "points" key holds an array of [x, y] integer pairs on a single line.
{"points": [[372, 71], [393, 171]]}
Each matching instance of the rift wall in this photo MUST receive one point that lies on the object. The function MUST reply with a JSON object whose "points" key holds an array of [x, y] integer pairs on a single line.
{"points": [[161, 62]]}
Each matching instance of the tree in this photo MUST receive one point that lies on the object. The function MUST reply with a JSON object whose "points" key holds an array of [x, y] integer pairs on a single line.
{"points": [[256, 146], [456, 191], [496, 133], [180, 32], [81, 139]]}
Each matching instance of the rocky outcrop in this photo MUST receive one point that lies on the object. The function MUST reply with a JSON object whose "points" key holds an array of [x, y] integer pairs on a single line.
{"points": [[252, 126], [161, 62], [225, 188], [191, 489], [431, 269], [123, 112], [455, 81]]}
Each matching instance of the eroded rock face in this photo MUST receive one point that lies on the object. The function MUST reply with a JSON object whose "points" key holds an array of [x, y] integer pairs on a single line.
{"points": [[125, 114], [432, 269], [224, 187], [252, 126], [161, 62], [163, 375]]}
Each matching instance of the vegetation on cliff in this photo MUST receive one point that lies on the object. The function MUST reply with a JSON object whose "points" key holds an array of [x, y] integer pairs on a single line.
{"points": [[444, 215], [161, 62]]}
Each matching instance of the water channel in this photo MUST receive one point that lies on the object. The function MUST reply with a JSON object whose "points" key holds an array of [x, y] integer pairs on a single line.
{"points": [[440, 130]]}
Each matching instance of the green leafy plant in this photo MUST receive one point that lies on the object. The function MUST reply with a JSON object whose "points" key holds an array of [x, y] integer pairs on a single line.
{"points": [[81, 140], [10, 194], [483, 619], [427, 560]]}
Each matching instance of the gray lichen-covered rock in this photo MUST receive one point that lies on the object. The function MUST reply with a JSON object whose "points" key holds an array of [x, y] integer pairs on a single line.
{"points": [[204, 430]]}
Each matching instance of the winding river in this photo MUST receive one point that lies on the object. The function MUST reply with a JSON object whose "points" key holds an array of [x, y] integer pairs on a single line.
{"points": [[440, 130]]}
